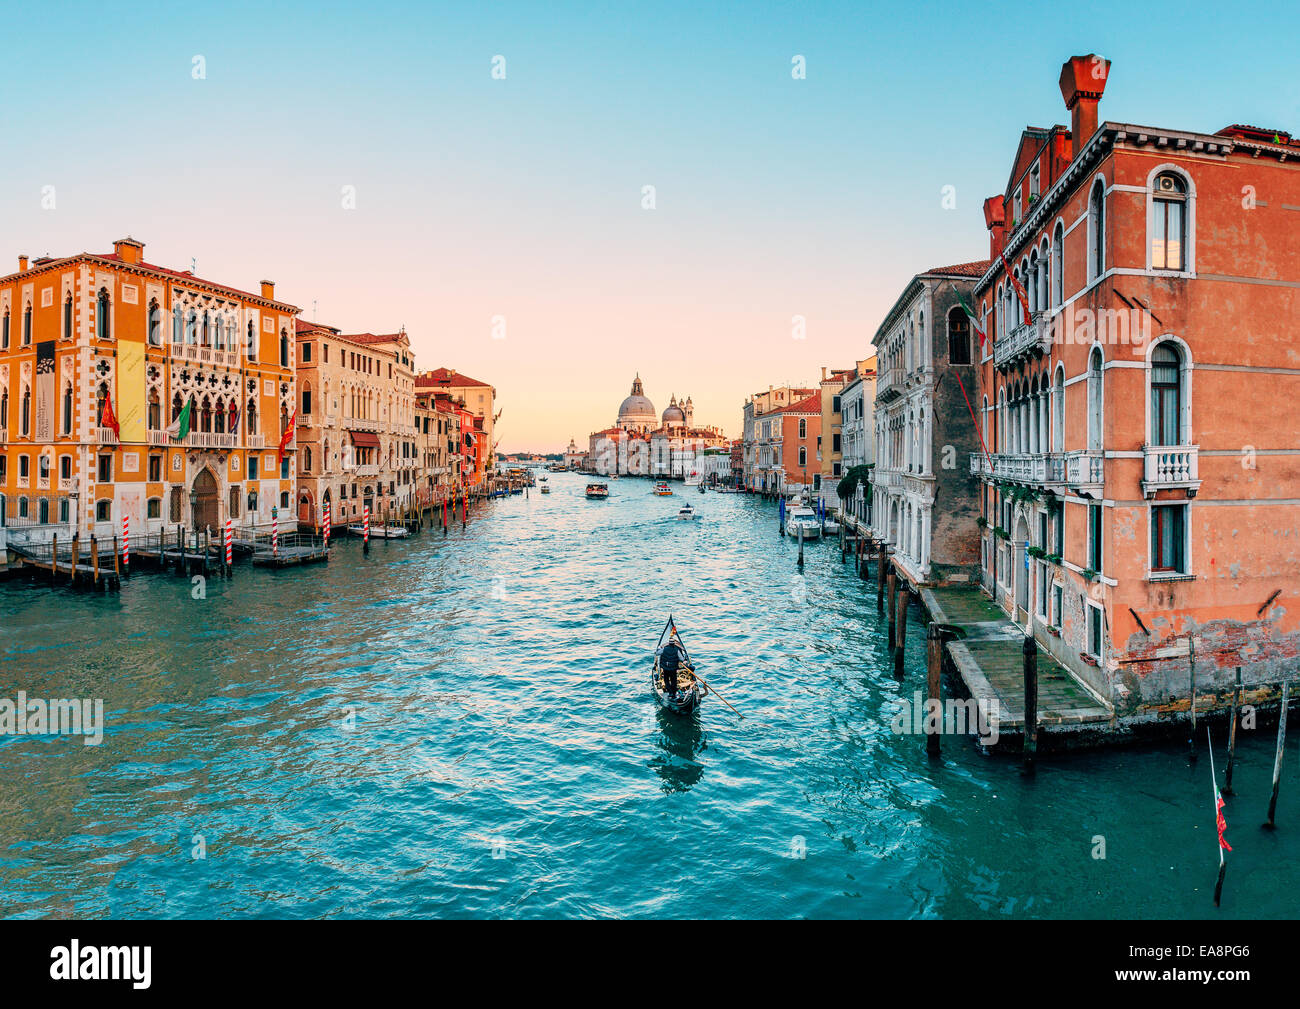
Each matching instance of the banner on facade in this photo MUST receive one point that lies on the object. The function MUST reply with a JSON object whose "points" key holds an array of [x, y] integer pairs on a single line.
{"points": [[44, 429], [131, 416]]}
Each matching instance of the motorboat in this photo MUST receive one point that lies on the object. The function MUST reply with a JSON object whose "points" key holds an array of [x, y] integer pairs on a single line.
{"points": [[598, 491], [801, 517], [687, 511]]}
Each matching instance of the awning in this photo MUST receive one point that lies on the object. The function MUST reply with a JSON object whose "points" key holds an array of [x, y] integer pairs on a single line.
{"points": [[364, 439]]}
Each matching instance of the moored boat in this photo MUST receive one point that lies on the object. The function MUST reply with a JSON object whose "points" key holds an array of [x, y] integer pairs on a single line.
{"points": [[801, 517], [378, 532], [690, 690]]}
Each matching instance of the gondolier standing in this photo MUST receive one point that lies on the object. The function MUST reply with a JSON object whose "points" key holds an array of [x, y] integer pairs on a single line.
{"points": [[669, 661]]}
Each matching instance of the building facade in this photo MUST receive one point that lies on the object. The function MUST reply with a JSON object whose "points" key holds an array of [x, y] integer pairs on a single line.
{"points": [[760, 458], [99, 355], [858, 436], [925, 428], [1140, 482], [479, 399], [356, 424], [642, 442]]}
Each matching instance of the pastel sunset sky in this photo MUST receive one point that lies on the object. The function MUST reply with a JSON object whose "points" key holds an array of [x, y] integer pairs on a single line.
{"points": [[522, 197]]}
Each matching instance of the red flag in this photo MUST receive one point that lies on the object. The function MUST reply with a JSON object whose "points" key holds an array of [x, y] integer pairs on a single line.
{"points": [[1020, 291], [107, 419], [287, 436], [1221, 822]]}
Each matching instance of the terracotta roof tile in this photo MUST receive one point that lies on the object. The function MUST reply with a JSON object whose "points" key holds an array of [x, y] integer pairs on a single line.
{"points": [[446, 376], [975, 269]]}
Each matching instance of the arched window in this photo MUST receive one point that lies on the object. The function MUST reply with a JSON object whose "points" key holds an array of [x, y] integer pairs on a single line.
{"points": [[205, 416], [4, 410], [1169, 223], [1058, 266], [155, 325], [67, 317], [101, 315], [252, 416], [191, 325], [4, 331], [27, 325], [1032, 284], [25, 412], [1166, 395], [251, 349], [1058, 412], [958, 337], [219, 416], [1097, 231], [218, 333], [67, 408], [306, 459], [284, 348], [178, 325], [1094, 400], [155, 411]]}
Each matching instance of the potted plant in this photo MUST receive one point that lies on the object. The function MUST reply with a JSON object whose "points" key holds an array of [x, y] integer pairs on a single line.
{"points": [[1000, 533], [1053, 559], [982, 522], [1036, 552], [1089, 574]]}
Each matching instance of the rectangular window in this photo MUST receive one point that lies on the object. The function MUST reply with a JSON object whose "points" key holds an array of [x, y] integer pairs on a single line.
{"points": [[252, 467], [103, 511], [1169, 538], [1058, 525], [155, 468], [155, 508], [835, 405], [105, 472], [1058, 599], [306, 353], [1094, 630], [1044, 581], [1094, 537], [234, 501], [835, 443]]}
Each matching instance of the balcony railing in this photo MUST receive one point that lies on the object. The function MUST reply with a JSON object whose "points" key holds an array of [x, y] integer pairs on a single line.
{"points": [[67, 483], [257, 441], [1169, 467], [1042, 469], [369, 469], [159, 438], [1026, 340], [203, 355], [1085, 470], [890, 384], [105, 436], [210, 439]]}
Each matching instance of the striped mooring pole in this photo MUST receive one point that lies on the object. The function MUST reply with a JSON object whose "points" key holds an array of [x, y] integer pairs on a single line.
{"points": [[229, 551], [327, 525], [275, 533], [126, 543], [365, 529]]}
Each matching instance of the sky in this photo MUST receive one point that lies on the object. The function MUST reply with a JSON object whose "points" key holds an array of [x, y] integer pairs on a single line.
{"points": [[504, 221]]}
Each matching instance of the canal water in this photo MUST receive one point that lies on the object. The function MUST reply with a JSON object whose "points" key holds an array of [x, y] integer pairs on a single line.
{"points": [[462, 726]]}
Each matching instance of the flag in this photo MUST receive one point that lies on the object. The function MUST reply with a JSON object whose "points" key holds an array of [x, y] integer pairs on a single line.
{"points": [[974, 319], [287, 436], [1220, 822], [180, 427], [107, 418], [1020, 291]]}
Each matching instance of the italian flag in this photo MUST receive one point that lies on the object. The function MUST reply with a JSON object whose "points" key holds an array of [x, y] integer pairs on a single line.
{"points": [[180, 427], [974, 319]]}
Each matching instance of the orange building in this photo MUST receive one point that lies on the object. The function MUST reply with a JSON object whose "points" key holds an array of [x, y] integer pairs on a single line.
{"points": [[479, 400], [1138, 383], [89, 330], [796, 433]]}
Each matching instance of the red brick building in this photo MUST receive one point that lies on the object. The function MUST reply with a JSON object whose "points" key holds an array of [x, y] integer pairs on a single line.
{"points": [[1143, 468]]}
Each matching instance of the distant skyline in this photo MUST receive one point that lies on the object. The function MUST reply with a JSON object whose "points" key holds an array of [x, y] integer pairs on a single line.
{"points": [[228, 135]]}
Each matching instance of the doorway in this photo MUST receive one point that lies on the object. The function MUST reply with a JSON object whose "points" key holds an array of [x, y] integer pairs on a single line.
{"points": [[205, 501]]}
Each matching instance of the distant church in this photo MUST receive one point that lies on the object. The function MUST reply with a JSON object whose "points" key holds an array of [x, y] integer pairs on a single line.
{"points": [[644, 443]]}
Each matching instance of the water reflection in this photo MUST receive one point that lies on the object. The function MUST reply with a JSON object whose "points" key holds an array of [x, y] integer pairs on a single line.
{"points": [[681, 739]]}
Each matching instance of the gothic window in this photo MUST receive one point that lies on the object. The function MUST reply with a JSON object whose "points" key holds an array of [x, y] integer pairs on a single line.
{"points": [[103, 328], [958, 337]]}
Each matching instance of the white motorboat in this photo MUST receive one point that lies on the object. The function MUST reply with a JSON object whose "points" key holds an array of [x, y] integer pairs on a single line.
{"points": [[799, 517], [687, 511]]}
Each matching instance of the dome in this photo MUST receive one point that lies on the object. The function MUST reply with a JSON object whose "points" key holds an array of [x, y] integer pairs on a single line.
{"points": [[637, 409], [674, 414]]}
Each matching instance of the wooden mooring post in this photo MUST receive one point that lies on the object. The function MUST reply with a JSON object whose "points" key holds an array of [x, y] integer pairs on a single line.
{"points": [[1191, 678], [933, 670], [1232, 734], [893, 605], [882, 559], [800, 547], [1030, 652], [76, 557], [54, 558], [1281, 749], [94, 561], [900, 633]]}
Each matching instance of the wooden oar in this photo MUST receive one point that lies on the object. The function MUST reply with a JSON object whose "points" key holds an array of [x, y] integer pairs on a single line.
{"points": [[712, 691]]}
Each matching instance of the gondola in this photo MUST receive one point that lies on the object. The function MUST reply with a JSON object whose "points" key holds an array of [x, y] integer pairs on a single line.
{"points": [[690, 691]]}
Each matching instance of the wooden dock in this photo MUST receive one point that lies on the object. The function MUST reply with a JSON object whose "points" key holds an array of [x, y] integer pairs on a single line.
{"points": [[987, 655]]}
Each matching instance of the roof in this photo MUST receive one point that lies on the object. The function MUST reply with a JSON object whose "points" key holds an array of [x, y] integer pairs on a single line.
{"points": [[181, 275], [372, 338], [303, 326], [446, 376], [813, 404], [975, 269]]}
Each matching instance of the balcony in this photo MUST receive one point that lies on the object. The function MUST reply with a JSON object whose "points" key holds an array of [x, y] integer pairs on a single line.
{"points": [[1038, 469], [1030, 339], [368, 470], [887, 478], [67, 484], [105, 436], [358, 424], [1085, 471], [203, 355], [257, 441], [159, 438], [1170, 467], [210, 439], [890, 384]]}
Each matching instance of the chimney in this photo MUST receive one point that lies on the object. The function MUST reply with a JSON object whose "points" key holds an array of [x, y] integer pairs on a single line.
{"points": [[823, 373], [995, 219], [1083, 80], [128, 250], [22, 264], [268, 290]]}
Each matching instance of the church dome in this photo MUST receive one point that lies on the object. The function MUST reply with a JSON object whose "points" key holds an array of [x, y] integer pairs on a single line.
{"points": [[674, 414], [637, 409]]}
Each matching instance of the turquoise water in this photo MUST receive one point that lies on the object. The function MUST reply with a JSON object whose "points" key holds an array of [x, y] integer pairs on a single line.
{"points": [[463, 727]]}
